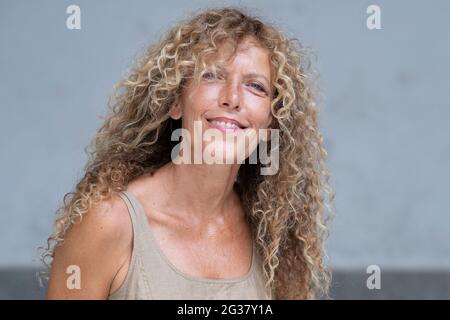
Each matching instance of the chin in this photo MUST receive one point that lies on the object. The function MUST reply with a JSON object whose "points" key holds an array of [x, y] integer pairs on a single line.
{"points": [[229, 154]]}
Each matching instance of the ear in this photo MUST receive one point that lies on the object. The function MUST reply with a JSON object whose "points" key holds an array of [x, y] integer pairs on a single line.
{"points": [[175, 111]]}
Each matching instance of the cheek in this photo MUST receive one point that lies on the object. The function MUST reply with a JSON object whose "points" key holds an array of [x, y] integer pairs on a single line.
{"points": [[202, 99], [260, 113]]}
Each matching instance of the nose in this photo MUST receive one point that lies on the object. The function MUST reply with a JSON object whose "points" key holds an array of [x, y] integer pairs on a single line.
{"points": [[229, 96]]}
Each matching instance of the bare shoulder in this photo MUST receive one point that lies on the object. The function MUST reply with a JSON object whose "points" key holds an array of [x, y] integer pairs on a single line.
{"points": [[107, 222], [99, 244]]}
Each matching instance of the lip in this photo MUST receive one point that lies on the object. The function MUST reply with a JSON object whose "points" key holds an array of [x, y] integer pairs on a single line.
{"points": [[225, 119], [223, 128]]}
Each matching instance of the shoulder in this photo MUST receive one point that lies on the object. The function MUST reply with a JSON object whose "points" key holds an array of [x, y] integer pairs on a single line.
{"points": [[98, 244], [106, 221]]}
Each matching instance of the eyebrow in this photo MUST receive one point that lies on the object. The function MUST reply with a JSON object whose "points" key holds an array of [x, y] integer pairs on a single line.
{"points": [[257, 75], [247, 75]]}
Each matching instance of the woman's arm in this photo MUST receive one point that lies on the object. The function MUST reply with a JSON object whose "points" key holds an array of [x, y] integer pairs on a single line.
{"points": [[97, 247]]}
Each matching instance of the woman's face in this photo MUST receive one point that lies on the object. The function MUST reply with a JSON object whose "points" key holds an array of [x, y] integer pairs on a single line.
{"points": [[240, 93]]}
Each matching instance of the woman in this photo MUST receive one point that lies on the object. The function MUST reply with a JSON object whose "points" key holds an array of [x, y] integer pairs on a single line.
{"points": [[140, 225]]}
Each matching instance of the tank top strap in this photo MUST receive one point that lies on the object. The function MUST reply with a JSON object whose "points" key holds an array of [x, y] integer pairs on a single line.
{"points": [[133, 204], [138, 219]]}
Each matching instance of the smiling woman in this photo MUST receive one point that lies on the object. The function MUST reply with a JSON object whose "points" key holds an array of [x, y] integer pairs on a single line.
{"points": [[139, 225], [235, 98]]}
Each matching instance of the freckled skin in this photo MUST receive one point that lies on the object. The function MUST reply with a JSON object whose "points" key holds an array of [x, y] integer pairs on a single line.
{"points": [[200, 228], [236, 92]]}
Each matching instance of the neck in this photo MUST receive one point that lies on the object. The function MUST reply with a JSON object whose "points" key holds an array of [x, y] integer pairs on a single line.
{"points": [[203, 192]]}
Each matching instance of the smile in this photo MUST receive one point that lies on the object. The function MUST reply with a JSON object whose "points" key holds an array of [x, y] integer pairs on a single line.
{"points": [[225, 124]]}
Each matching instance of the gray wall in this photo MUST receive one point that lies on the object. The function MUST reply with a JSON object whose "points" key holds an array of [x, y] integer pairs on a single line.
{"points": [[385, 116]]}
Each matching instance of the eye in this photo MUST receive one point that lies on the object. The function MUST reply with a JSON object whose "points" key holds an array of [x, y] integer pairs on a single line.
{"points": [[258, 87], [208, 75]]}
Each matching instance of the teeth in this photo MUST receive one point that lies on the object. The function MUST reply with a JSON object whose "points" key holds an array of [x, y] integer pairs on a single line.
{"points": [[225, 124]]}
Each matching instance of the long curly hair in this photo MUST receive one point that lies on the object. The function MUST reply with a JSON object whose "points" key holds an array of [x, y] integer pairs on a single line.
{"points": [[286, 211]]}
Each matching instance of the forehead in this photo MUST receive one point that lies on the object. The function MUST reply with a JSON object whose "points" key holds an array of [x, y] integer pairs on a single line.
{"points": [[249, 54]]}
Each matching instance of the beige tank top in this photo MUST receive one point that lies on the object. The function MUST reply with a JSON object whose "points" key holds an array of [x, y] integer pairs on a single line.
{"points": [[152, 276]]}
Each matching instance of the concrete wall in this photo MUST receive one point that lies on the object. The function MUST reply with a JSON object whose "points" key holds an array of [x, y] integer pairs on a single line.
{"points": [[384, 115]]}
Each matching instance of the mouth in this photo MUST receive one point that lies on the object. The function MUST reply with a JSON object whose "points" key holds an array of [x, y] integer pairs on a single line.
{"points": [[226, 124]]}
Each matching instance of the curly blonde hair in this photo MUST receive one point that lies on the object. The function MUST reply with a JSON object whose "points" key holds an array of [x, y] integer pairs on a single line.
{"points": [[286, 211]]}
